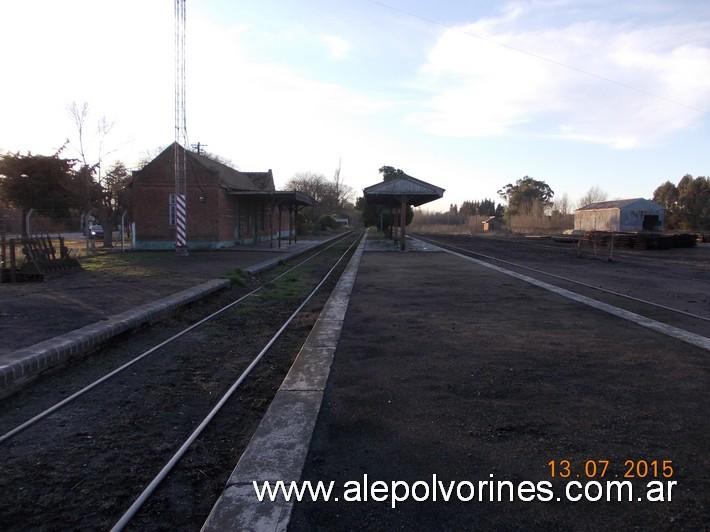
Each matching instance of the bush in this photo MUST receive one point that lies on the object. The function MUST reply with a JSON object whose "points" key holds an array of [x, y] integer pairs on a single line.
{"points": [[327, 222]]}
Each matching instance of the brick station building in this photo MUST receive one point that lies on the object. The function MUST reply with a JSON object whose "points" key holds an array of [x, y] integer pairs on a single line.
{"points": [[225, 207]]}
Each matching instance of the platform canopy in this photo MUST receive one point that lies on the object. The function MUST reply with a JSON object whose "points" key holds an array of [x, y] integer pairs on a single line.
{"points": [[399, 192], [286, 197], [407, 189]]}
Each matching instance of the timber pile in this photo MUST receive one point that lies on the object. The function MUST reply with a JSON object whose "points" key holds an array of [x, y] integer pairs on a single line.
{"points": [[40, 259], [640, 240]]}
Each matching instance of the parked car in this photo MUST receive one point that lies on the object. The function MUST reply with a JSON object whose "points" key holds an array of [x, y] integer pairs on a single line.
{"points": [[96, 231]]}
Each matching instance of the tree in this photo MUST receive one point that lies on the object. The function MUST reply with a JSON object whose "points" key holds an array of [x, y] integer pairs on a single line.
{"points": [[343, 192], [330, 195], [563, 205], [318, 187], [525, 195], [114, 194], [667, 195], [390, 172], [91, 169], [694, 199], [593, 195], [687, 204], [43, 182], [485, 207]]}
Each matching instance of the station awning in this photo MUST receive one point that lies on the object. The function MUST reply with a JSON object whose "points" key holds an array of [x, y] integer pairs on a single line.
{"points": [[398, 193], [409, 189], [290, 197]]}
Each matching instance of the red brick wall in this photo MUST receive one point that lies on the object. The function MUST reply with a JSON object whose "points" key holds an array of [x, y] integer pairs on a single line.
{"points": [[213, 216], [151, 192], [227, 214]]}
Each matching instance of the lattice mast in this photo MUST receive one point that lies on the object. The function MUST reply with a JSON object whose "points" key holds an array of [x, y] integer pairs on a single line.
{"points": [[181, 141]]}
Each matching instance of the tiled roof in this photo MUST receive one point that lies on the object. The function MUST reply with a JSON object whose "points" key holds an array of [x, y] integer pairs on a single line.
{"points": [[234, 179]]}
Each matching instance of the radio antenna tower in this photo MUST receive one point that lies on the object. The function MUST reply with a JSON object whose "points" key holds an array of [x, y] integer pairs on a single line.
{"points": [[181, 143]]}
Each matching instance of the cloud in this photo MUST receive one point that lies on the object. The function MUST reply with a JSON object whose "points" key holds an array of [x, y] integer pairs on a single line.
{"points": [[478, 85], [338, 48], [256, 113]]}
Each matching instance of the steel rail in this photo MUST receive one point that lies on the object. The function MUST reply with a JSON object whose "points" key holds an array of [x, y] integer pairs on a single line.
{"points": [[632, 258], [563, 278], [151, 487], [64, 402]]}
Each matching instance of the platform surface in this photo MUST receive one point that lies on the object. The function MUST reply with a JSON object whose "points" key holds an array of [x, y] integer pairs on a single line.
{"points": [[446, 367], [115, 283]]}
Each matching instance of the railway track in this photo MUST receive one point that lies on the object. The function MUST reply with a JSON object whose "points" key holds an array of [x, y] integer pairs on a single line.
{"points": [[570, 249], [695, 322], [135, 420]]}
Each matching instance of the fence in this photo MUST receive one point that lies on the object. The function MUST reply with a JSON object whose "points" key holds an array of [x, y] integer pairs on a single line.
{"points": [[34, 258], [447, 223], [41, 222], [537, 223]]}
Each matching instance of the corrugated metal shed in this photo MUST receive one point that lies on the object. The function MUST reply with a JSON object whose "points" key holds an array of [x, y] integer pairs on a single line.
{"points": [[635, 214]]}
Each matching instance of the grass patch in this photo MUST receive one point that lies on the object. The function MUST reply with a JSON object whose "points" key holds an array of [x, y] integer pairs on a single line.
{"points": [[237, 277], [287, 287], [121, 264]]}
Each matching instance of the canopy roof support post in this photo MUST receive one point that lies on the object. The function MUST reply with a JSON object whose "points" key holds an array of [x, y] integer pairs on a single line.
{"points": [[403, 221], [239, 221], [271, 224], [279, 237], [290, 224], [255, 215]]}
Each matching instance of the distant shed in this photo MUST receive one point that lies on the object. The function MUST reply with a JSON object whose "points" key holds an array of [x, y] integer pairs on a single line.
{"points": [[632, 215], [492, 223]]}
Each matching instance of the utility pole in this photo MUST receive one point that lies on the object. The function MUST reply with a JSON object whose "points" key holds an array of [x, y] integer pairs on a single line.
{"points": [[180, 154]]}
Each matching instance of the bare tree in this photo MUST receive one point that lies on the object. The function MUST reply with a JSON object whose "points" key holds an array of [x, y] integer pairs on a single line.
{"points": [[148, 156], [91, 164], [593, 195], [563, 205], [342, 191], [80, 116]]}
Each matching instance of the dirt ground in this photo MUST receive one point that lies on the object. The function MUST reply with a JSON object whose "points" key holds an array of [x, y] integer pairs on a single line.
{"points": [[82, 467], [110, 283], [445, 367]]}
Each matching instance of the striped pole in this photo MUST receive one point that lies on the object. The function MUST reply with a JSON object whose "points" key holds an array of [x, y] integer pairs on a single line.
{"points": [[180, 223]]}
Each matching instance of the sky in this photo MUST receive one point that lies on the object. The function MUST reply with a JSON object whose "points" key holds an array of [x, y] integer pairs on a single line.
{"points": [[469, 95]]}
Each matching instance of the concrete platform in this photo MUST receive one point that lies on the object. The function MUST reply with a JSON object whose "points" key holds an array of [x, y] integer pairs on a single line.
{"points": [[273, 247], [22, 365], [447, 367]]}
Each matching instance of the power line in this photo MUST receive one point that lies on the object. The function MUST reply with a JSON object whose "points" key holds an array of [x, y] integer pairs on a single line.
{"points": [[538, 56]]}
